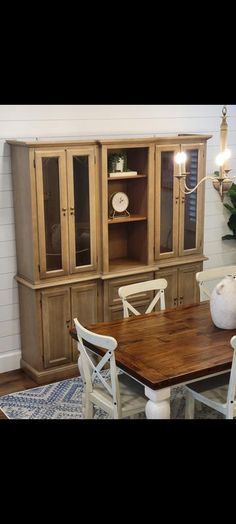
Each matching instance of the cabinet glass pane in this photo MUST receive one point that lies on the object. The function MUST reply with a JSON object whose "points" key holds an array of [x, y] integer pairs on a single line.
{"points": [[167, 182], [190, 214], [51, 195], [82, 211]]}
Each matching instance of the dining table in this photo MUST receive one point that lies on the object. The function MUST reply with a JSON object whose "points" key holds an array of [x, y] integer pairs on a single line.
{"points": [[167, 348]]}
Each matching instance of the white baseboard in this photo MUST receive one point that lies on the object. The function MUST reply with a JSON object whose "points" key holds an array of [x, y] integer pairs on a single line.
{"points": [[10, 360]]}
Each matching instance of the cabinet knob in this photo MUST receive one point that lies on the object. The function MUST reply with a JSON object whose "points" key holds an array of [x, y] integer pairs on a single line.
{"points": [[72, 208]]}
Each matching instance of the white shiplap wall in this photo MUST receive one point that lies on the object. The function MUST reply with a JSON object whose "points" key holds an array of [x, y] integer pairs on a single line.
{"points": [[29, 122]]}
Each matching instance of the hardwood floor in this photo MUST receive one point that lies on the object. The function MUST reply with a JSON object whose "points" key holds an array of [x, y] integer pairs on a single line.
{"points": [[13, 381]]}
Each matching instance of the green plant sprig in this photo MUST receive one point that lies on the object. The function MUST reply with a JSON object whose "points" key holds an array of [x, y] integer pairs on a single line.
{"points": [[231, 193]]}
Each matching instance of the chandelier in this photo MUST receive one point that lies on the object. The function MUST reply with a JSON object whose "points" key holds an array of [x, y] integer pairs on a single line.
{"points": [[222, 182]]}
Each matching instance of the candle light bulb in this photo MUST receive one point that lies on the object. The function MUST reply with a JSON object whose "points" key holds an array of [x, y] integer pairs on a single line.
{"points": [[220, 159], [180, 159], [227, 153]]}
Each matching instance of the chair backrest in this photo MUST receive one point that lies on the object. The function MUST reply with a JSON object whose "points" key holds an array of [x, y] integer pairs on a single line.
{"points": [[232, 381], [92, 371], [158, 285], [213, 274]]}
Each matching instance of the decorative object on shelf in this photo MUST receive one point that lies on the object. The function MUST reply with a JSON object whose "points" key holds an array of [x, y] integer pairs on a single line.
{"points": [[117, 165], [223, 303], [117, 162], [119, 203], [221, 180], [232, 208]]}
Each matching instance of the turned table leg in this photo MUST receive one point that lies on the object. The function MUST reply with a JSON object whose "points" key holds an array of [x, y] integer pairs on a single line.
{"points": [[158, 405]]}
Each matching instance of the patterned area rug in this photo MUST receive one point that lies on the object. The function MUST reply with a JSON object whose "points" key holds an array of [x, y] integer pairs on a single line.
{"points": [[63, 400]]}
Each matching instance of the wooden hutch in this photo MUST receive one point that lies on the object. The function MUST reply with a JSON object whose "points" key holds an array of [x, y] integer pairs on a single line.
{"points": [[73, 254]]}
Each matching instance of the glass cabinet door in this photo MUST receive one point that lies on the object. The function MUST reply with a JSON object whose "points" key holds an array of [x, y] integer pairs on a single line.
{"points": [[52, 212], [167, 198], [82, 212], [191, 223]]}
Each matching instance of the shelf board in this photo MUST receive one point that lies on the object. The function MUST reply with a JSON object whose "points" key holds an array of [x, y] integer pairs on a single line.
{"points": [[121, 264], [126, 177], [131, 218]]}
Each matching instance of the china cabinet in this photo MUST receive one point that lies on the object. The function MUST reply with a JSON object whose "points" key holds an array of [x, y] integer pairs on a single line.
{"points": [[92, 216]]}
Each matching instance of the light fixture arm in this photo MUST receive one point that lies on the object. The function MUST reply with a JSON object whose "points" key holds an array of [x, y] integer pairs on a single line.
{"points": [[223, 182], [188, 190]]}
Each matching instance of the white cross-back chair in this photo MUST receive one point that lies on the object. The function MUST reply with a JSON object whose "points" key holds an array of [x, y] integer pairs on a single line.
{"points": [[158, 285], [215, 392], [208, 275], [117, 394]]}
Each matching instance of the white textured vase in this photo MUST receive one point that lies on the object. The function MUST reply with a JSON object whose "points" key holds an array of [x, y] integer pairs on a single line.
{"points": [[223, 303]]}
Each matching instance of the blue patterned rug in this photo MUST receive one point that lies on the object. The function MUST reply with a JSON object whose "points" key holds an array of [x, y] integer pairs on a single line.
{"points": [[63, 400]]}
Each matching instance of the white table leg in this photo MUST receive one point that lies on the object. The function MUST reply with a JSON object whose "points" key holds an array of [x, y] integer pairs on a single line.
{"points": [[158, 405]]}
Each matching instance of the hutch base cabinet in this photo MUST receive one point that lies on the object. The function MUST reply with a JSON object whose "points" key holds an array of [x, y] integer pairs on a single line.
{"points": [[92, 216]]}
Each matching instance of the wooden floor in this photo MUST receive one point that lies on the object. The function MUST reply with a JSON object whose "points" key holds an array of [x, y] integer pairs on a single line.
{"points": [[13, 381]]}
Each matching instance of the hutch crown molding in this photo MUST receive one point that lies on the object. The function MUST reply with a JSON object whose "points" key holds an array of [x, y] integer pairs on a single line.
{"points": [[74, 250]]}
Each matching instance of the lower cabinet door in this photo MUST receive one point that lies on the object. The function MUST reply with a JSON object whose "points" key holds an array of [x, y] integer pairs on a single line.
{"points": [[84, 303], [56, 316], [188, 286], [182, 286]]}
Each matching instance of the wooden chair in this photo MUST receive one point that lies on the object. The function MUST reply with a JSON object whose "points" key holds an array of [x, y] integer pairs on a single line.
{"points": [[118, 395], [215, 392], [213, 274], [158, 285]]}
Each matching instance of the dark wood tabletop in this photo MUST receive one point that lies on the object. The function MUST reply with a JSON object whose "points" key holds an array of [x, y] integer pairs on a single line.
{"points": [[169, 347]]}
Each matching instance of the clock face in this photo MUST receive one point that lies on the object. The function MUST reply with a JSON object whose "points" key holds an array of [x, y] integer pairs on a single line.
{"points": [[119, 202]]}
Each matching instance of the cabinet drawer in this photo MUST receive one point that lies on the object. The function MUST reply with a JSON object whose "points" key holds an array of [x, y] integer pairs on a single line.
{"points": [[116, 312], [114, 284]]}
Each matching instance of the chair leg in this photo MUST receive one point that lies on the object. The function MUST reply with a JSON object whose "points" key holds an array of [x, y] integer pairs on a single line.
{"points": [[88, 408], [229, 413], [189, 406]]}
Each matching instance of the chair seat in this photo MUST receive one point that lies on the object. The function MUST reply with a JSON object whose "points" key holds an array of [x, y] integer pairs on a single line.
{"points": [[131, 392], [214, 389]]}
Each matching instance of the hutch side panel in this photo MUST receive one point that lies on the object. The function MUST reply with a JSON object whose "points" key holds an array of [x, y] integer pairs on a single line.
{"points": [[25, 210]]}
